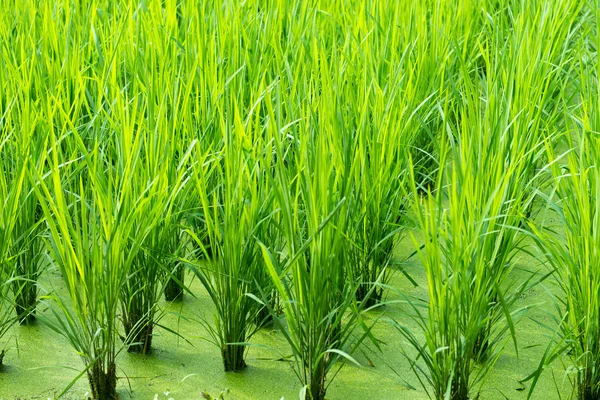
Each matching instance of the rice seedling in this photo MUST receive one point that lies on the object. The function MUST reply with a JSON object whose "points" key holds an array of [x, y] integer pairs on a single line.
{"points": [[155, 270], [235, 211], [28, 249], [98, 218], [11, 184], [471, 226], [322, 318], [276, 151], [572, 248], [374, 169], [27, 244], [23, 134], [19, 217], [317, 299], [153, 265], [456, 310]]}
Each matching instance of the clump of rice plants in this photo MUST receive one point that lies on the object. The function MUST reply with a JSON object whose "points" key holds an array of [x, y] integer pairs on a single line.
{"points": [[235, 211], [28, 249], [147, 278], [154, 267], [473, 222], [98, 220], [24, 135], [376, 172], [13, 182], [572, 249], [322, 318], [27, 244], [10, 187], [456, 310], [470, 227], [576, 203]]}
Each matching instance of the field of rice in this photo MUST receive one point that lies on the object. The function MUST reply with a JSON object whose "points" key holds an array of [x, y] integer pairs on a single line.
{"points": [[313, 199]]}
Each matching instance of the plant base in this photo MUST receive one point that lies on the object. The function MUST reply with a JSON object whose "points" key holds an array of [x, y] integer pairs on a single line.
{"points": [[588, 392], [25, 302], [103, 384], [233, 358], [174, 286], [369, 300], [317, 383], [26, 317], [141, 341]]}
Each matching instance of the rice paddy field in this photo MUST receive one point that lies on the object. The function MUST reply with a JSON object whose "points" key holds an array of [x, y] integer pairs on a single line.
{"points": [[313, 199]]}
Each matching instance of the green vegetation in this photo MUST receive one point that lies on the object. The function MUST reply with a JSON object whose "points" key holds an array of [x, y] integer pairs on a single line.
{"points": [[572, 247], [259, 165]]}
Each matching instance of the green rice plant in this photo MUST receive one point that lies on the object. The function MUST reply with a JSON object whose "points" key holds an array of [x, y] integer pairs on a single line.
{"points": [[12, 178], [20, 137], [573, 264], [28, 249], [27, 244], [322, 318], [374, 156], [165, 93], [452, 319], [572, 249], [155, 264], [148, 276], [520, 115], [471, 228], [235, 211], [98, 218], [317, 299], [23, 130]]}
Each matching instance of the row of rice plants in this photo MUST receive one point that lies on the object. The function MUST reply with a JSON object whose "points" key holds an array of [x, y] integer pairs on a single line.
{"points": [[571, 249], [288, 143], [473, 223]]}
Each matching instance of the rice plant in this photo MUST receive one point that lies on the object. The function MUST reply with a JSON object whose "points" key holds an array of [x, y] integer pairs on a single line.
{"points": [[153, 271], [28, 249], [276, 151], [322, 323], [27, 244], [470, 226], [377, 174], [235, 211], [11, 184], [24, 137], [98, 219], [456, 310], [150, 270], [572, 248]]}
